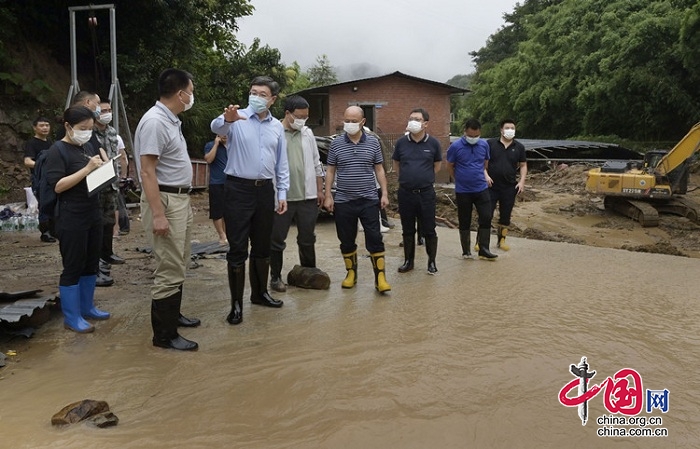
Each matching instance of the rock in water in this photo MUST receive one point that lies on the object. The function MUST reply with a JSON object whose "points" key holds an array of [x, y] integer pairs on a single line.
{"points": [[306, 277], [106, 419], [78, 411]]}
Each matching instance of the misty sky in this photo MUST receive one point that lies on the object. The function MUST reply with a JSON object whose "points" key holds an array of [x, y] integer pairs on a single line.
{"points": [[364, 38]]}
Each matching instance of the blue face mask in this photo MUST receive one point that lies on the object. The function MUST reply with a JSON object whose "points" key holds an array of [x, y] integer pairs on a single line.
{"points": [[259, 104], [472, 140]]}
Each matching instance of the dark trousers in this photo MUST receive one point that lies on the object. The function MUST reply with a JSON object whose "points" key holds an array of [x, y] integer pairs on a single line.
{"points": [[482, 201], [346, 215], [248, 215], [80, 252], [504, 196], [414, 204], [304, 213]]}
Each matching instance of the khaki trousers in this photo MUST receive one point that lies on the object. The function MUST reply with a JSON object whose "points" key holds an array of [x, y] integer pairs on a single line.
{"points": [[172, 252]]}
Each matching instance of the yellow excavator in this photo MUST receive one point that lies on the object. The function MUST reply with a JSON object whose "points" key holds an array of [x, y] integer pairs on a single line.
{"points": [[642, 189]]}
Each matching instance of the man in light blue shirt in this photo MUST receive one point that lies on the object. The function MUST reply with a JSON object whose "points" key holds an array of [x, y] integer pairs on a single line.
{"points": [[257, 166]]}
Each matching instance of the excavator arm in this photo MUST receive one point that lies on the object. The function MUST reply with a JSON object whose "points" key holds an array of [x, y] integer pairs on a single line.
{"points": [[685, 148]]}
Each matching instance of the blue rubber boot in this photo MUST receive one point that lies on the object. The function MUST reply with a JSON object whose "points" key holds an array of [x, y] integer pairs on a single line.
{"points": [[87, 299], [70, 304]]}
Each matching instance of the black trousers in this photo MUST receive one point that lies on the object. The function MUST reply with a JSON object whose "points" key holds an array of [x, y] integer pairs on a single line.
{"points": [[465, 203], [80, 252], [346, 215], [414, 204], [503, 196], [248, 215]]}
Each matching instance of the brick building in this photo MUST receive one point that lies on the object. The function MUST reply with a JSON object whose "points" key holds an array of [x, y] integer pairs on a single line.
{"points": [[387, 101]]}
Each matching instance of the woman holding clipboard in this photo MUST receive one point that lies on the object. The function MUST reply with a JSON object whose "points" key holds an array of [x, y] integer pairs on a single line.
{"points": [[78, 218]]}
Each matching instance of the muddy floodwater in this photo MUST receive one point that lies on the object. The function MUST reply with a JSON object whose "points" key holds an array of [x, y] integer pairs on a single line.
{"points": [[474, 357]]}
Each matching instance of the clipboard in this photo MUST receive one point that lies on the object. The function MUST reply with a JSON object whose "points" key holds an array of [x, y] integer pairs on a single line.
{"points": [[101, 177]]}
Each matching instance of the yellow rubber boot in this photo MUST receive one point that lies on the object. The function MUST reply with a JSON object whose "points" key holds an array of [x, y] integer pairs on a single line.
{"points": [[502, 232], [380, 282], [350, 265]]}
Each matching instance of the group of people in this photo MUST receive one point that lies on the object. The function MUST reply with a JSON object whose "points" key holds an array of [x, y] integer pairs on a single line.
{"points": [[266, 174]]}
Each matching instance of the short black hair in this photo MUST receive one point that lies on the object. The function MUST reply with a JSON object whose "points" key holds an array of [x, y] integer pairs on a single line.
{"points": [[81, 97], [295, 102], [106, 100], [76, 114], [471, 123], [505, 121], [266, 81], [422, 112], [40, 119], [171, 81]]}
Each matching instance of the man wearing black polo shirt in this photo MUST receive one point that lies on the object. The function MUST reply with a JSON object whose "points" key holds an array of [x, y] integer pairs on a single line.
{"points": [[507, 160], [417, 158], [356, 157]]}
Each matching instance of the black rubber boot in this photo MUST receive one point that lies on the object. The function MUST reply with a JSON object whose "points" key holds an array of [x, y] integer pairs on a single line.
{"points": [[164, 314], [484, 236], [307, 256], [431, 248], [259, 268], [409, 253], [466, 241], [182, 320], [276, 282], [236, 284]]}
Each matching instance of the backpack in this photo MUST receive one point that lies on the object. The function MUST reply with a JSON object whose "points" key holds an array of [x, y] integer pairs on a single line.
{"points": [[45, 194]]}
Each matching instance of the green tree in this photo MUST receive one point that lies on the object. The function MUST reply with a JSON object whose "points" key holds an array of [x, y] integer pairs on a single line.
{"points": [[296, 79], [593, 67], [323, 73]]}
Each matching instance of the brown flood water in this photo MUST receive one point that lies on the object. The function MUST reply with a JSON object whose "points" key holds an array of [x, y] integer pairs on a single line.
{"points": [[472, 358]]}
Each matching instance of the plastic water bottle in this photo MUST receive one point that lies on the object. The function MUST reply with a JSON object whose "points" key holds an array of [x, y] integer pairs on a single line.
{"points": [[31, 223], [6, 225]]}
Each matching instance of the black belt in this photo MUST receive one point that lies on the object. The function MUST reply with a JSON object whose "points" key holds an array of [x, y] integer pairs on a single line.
{"points": [[250, 182], [178, 190], [424, 189]]}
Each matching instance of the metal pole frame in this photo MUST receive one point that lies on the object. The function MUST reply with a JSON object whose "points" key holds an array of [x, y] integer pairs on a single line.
{"points": [[115, 92]]}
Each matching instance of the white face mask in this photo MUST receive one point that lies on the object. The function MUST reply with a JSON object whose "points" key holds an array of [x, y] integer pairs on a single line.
{"points": [[189, 105], [414, 127], [509, 134], [105, 118], [80, 137], [472, 140], [351, 128], [298, 123]]}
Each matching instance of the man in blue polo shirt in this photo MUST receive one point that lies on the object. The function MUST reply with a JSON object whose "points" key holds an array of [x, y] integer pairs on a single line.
{"points": [[257, 156], [356, 157], [467, 162], [417, 158]]}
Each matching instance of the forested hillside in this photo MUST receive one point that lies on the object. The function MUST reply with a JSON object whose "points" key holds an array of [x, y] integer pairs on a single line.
{"points": [[563, 68]]}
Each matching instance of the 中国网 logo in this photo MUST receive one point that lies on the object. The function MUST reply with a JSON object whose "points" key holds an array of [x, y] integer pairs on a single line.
{"points": [[623, 399]]}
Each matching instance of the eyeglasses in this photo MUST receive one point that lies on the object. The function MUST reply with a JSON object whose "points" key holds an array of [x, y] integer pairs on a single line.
{"points": [[299, 118], [415, 119], [259, 94]]}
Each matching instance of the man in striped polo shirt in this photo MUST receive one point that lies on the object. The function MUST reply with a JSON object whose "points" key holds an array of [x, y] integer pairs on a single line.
{"points": [[356, 157]]}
